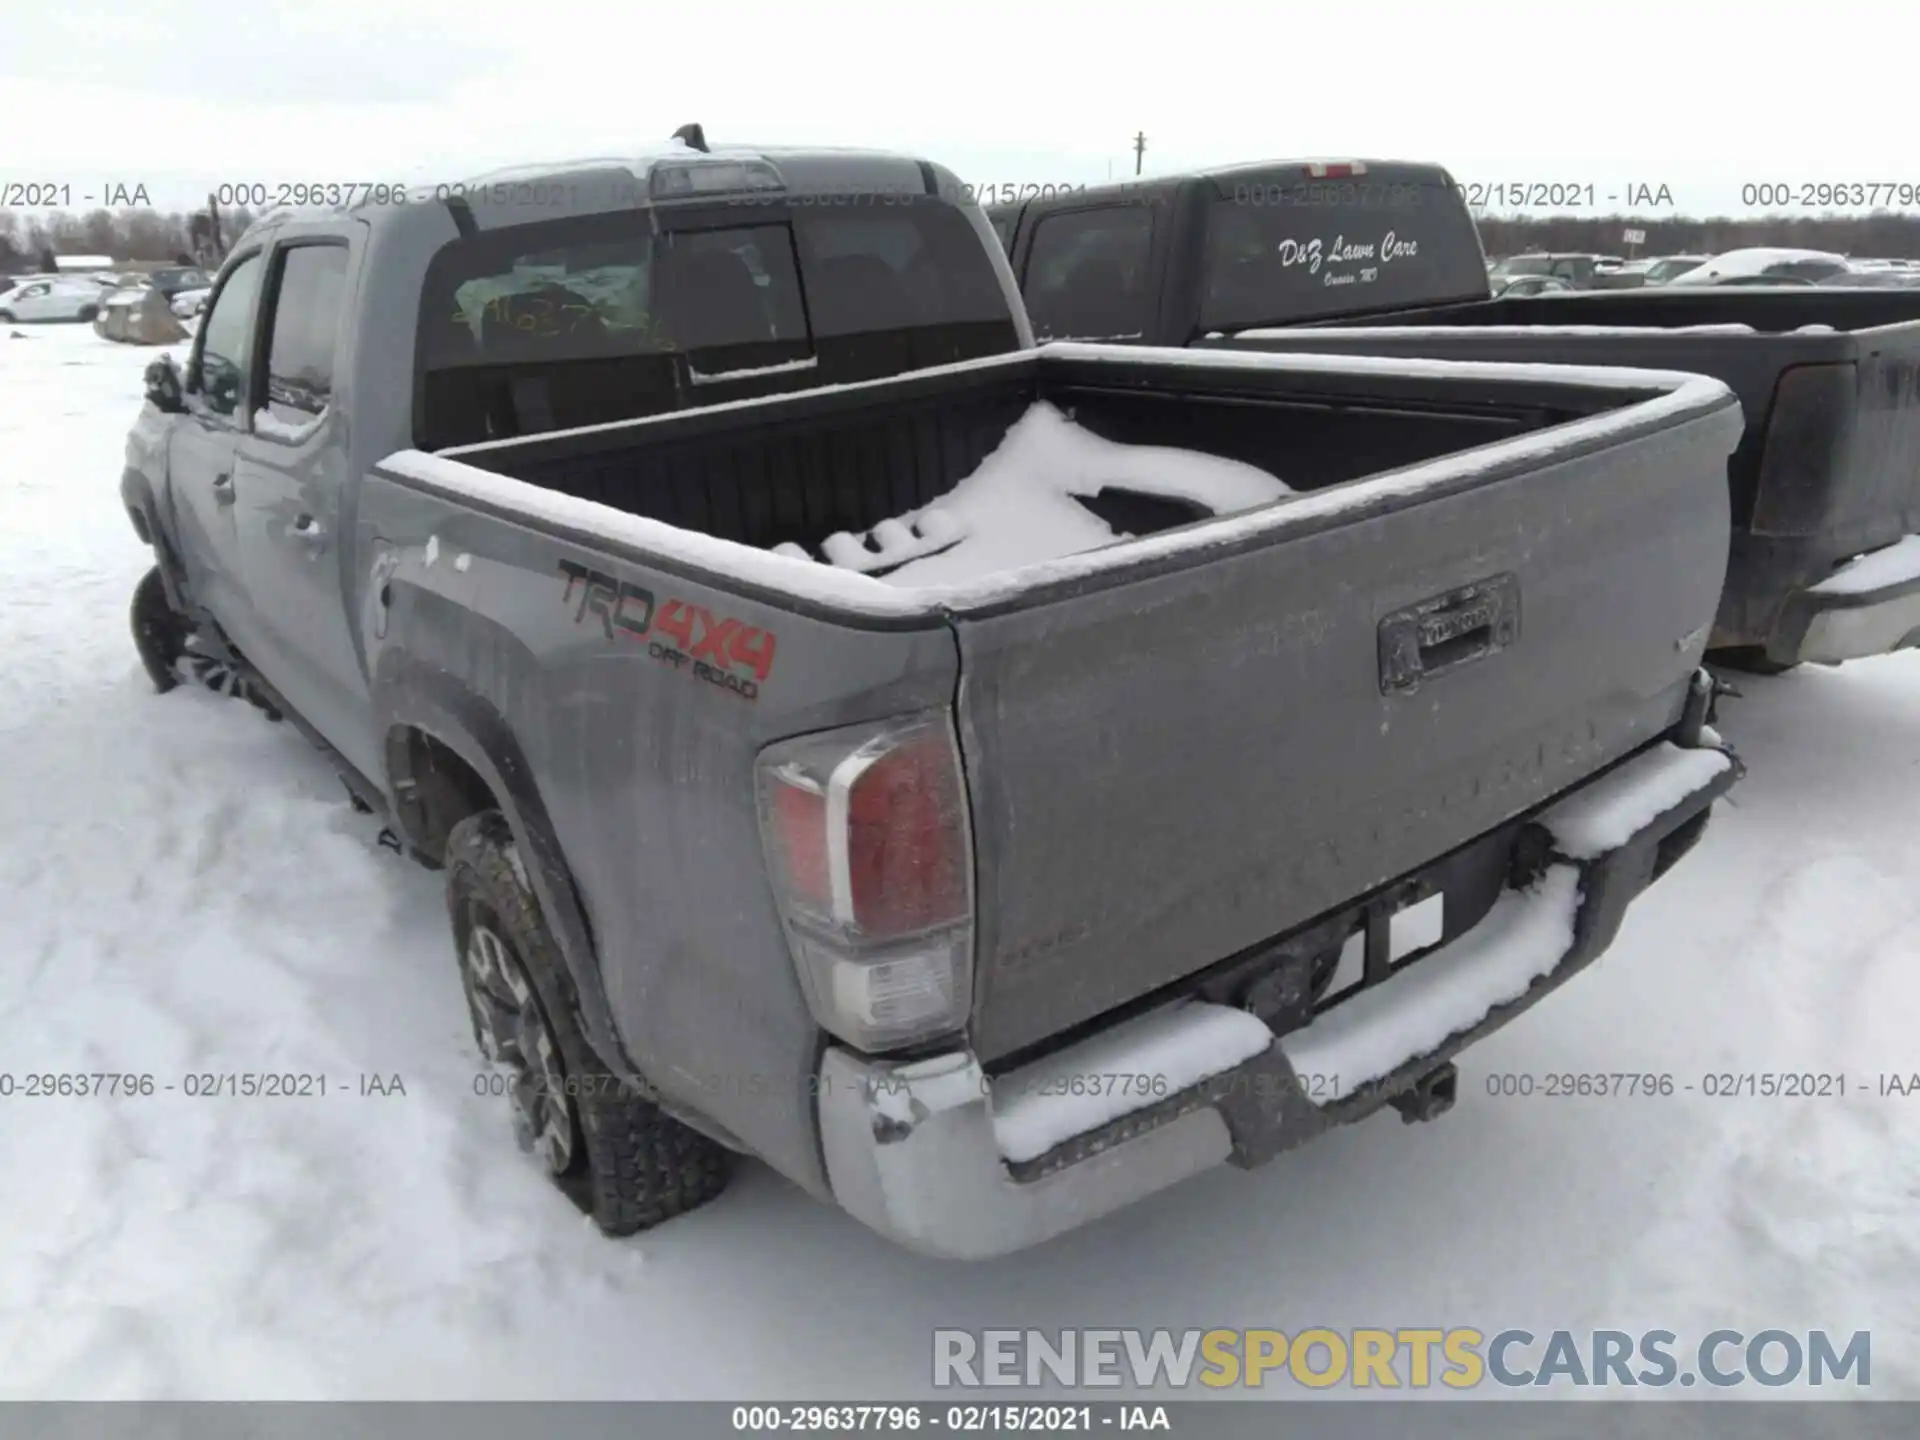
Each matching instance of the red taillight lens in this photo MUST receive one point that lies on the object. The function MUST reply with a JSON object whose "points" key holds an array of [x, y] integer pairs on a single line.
{"points": [[903, 867], [800, 820], [871, 858]]}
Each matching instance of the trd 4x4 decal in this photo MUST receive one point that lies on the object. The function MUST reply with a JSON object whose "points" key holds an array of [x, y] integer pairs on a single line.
{"points": [[716, 648]]}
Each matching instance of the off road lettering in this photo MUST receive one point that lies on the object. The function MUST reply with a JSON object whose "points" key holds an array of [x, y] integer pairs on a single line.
{"points": [[714, 638], [722, 642]]}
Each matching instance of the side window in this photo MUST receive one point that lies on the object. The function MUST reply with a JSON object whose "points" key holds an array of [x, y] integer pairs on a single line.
{"points": [[1087, 274], [226, 340], [306, 323]]}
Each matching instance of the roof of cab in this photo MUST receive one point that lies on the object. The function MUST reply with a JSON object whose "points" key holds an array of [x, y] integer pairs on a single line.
{"points": [[1360, 168], [637, 165]]}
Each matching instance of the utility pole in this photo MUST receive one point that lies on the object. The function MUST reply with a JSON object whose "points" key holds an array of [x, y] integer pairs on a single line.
{"points": [[1139, 150]]}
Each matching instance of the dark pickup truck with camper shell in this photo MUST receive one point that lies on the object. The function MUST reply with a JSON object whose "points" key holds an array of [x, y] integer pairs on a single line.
{"points": [[982, 847], [1382, 258]]}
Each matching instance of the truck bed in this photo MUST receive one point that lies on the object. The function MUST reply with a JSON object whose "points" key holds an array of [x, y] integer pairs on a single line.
{"points": [[1181, 746], [1828, 379]]}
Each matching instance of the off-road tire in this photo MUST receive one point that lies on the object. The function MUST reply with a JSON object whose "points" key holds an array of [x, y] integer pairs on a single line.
{"points": [[632, 1166], [165, 639], [159, 631]]}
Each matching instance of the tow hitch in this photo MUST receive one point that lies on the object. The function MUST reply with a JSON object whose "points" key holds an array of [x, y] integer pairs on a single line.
{"points": [[1431, 1096]]}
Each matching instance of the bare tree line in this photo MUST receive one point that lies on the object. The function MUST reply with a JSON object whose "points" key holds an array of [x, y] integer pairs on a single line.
{"points": [[30, 241]]}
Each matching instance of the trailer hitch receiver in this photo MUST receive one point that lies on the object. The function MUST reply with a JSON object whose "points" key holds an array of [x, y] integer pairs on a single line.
{"points": [[1431, 1096]]}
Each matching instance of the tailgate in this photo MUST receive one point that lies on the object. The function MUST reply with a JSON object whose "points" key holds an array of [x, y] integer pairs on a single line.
{"points": [[1170, 769]]}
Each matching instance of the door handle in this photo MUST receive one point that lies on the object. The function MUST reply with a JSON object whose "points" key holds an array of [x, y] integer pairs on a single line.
{"points": [[223, 489], [308, 528]]}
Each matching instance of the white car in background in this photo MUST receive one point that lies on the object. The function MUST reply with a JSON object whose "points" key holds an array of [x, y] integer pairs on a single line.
{"points": [[1663, 268], [56, 299], [189, 303], [1761, 264]]}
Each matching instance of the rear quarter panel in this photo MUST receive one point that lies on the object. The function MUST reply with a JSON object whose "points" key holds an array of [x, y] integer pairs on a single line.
{"points": [[644, 773]]}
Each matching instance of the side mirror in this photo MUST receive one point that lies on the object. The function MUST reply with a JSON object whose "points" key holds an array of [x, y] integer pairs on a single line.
{"points": [[164, 390]]}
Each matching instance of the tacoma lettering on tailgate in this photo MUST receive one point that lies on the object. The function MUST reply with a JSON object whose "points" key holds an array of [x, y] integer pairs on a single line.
{"points": [[714, 648]]}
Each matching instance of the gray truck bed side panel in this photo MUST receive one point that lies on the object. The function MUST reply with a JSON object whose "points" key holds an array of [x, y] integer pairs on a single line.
{"points": [[1859, 469], [646, 774], [1852, 457], [1168, 772]]}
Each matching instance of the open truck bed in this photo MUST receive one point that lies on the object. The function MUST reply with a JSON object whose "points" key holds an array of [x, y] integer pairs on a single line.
{"points": [[1828, 469], [1177, 747]]}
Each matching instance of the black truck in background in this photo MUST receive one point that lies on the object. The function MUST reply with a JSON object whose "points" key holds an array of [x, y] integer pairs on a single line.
{"points": [[1382, 258]]}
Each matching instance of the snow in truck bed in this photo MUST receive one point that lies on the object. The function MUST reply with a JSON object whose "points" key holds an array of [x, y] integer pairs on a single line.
{"points": [[445, 473], [1019, 507]]}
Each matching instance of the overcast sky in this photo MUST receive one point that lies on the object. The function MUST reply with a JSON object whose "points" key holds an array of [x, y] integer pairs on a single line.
{"points": [[1703, 99]]}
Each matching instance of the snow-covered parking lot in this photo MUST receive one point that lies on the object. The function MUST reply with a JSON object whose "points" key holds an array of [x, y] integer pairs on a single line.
{"points": [[185, 890]]}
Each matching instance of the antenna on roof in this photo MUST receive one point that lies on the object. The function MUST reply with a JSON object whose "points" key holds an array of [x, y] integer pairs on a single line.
{"points": [[693, 137]]}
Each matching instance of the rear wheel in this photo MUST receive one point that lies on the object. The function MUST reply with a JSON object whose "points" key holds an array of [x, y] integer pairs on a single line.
{"points": [[616, 1155], [6, 317], [87, 312]]}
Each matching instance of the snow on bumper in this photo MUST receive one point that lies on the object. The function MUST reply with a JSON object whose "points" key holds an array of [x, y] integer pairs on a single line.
{"points": [[940, 1158], [1870, 606]]}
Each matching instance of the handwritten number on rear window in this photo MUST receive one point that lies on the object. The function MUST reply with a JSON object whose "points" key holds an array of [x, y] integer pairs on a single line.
{"points": [[543, 322]]}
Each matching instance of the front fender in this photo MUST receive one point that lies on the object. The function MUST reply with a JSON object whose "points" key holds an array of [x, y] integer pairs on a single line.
{"points": [[144, 480]]}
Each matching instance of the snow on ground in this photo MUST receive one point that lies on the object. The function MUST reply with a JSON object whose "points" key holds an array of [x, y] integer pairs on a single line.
{"points": [[185, 890]]}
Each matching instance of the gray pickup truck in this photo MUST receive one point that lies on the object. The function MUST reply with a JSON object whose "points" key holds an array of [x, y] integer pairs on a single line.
{"points": [[982, 907]]}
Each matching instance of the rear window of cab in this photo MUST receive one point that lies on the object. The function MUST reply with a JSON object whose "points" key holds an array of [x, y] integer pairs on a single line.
{"points": [[1283, 248]]}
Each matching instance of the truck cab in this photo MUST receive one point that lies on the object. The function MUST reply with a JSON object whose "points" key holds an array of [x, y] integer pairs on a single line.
{"points": [[547, 297]]}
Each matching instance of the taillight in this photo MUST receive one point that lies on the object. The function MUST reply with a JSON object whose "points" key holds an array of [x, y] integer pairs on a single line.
{"points": [[871, 860], [1329, 170]]}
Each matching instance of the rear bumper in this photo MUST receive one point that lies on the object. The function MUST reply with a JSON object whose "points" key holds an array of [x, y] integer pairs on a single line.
{"points": [[1870, 607], [920, 1152]]}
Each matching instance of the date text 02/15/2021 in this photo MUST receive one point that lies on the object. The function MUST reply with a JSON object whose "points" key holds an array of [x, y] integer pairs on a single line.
{"points": [[1565, 194]]}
